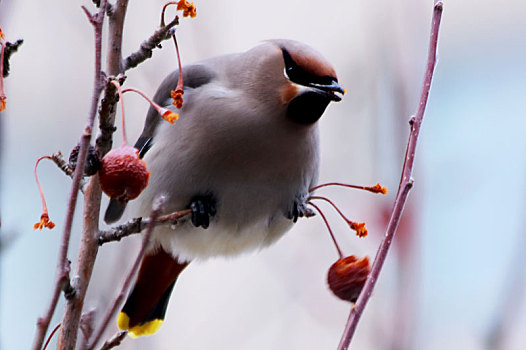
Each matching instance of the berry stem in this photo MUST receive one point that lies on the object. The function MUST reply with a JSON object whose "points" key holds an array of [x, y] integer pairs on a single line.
{"points": [[180, 85], [57, 327], [375, 189], [360, 229], [164, 10], [165, 113], [333, 205], [2, 93], [44, 206], [180, 81], [119, 90], [340, 253], [154, 105]]}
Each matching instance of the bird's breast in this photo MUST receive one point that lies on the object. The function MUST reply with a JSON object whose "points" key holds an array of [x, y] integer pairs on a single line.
{"points": [[253, 168]]}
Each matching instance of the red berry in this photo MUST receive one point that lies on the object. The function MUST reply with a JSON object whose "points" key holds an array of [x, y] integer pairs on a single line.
{"points": [[347, 277], [123, 175]]}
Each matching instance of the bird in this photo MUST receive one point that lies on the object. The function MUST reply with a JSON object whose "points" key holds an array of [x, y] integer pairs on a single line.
{"points": [[242, 156]]}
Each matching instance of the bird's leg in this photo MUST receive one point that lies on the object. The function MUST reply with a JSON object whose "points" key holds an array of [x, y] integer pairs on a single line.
{"points": [[203, 208], [299, 209]]}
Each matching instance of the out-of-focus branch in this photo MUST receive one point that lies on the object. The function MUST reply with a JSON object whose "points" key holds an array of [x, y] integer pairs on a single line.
{"points": [[136, 225], [156, 210], [406, 182], [511, 299], [7, 238], [10, 48], [146, 49]]}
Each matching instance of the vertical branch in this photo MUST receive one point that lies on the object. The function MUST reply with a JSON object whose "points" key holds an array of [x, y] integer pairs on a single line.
{"points": [[89, 243], [62, 269], [114, 66], [511, 300], [70, 323], [1, 149], [116, 25], [406, 182]]}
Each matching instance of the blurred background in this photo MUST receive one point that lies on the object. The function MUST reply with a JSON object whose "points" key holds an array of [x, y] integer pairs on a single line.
{"points": [[455, 276]]}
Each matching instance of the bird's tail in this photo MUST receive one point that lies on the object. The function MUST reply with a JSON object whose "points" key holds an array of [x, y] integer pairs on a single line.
{"points": [[114, 211], [144, 310]]}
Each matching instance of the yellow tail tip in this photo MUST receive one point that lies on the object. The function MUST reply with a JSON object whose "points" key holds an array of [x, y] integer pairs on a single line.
{"points": [[123, 321], [147, 328]]}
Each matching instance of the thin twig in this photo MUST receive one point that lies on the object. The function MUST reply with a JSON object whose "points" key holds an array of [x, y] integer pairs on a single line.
{"points": [[156, 210], [59, 160], [136, 225], [145, 51], [406, 183], [116, 340]]}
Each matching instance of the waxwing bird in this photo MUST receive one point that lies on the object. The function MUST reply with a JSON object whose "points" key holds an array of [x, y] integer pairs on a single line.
{"points": [[242, 157]]}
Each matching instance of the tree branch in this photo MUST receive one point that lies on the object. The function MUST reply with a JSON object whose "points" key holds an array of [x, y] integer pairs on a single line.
{"points": [[114, 67], [70, 323], [116, 26], [61, 281], [156, 210], [59, 160], [406, 183], [107, 119], [136, 225], [89, 247], [147, 46], [116, 340]]}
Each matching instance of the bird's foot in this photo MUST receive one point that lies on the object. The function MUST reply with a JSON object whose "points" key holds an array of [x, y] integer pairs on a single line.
{"points": [[203, 208], [299, 209]]}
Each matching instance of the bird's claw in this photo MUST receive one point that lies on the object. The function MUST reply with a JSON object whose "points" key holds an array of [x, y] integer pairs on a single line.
{"points": [[299, 209], [203, 208]]}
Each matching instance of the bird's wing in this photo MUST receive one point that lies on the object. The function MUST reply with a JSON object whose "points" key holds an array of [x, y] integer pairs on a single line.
{"points": [[194, 77]]}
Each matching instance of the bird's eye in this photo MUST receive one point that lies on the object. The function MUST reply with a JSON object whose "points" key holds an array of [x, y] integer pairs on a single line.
{"points": [[299, 75]]}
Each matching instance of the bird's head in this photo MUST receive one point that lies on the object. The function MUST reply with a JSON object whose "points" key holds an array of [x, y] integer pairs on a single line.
{"points": [[295, 76]]}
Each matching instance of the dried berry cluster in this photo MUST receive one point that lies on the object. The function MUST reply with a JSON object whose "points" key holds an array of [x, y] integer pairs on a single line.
{"points": [[347, 276]]}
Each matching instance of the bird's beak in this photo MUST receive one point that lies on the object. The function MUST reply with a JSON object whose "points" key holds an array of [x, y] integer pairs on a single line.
{"points": [[330, 90]]}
